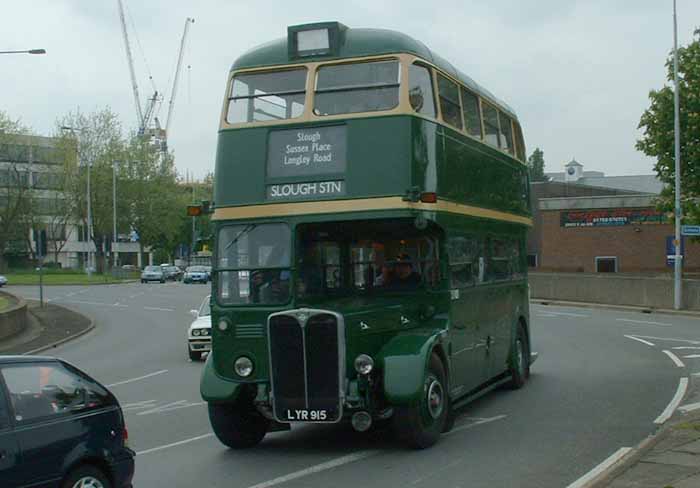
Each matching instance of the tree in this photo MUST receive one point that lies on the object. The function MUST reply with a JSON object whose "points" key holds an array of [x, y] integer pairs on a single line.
{"points": [[98, 142], [14, 184], [657, 123], [535, 163]]}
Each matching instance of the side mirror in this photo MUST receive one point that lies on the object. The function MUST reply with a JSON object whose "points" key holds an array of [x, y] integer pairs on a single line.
{"points": [[193, 312]]}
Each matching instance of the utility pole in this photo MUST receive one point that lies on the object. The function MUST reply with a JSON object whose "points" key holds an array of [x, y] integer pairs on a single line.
{"points": [[678, 264], [193, 225]]}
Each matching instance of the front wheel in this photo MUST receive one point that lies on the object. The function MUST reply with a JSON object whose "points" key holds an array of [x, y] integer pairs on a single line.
{"points": [[236, 427], [519, 361], [86, 477], [420, 425]]}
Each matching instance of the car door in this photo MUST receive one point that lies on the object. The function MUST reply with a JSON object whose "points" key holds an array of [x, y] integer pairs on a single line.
{"points": [[9, 448], [58, 418]]}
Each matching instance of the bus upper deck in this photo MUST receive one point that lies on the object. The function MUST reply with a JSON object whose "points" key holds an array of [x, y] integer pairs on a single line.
{"points": [[375, 118]]}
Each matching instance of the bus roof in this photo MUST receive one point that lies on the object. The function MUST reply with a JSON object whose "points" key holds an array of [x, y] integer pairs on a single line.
{"points": [[358, 43]]}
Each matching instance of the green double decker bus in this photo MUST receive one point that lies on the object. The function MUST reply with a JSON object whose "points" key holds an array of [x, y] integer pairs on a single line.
{"points": [[371, 204]]}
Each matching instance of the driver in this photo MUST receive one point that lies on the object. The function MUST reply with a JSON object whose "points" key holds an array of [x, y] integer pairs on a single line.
{"points": [[403, 276]]}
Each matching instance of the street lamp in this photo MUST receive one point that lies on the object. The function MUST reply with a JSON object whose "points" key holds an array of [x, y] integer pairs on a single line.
{"points": [[115, 254], [28, 51], [677, 263], [89, 205]]}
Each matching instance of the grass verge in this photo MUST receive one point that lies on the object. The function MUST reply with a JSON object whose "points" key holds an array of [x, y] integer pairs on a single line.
{"points": [[63, 279]]}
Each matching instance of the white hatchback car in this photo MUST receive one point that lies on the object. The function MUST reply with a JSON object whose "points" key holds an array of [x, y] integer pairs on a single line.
{"points": [[199, 332]]}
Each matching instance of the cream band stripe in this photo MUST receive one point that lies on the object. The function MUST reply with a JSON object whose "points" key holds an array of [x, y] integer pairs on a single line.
{"points": [[360, 205]]}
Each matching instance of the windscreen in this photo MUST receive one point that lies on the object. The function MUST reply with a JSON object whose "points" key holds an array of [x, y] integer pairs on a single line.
{"points": [[253, 264], [366, 257]]}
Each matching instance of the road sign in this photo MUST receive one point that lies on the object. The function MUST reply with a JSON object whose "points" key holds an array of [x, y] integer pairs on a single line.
{"points": [[671, 249], [690, 230]]}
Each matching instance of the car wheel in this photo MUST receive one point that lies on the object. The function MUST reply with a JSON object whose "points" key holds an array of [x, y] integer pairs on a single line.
{"points": [[86, 477], [143, 281], [194, 355], [519, 361], [239, 425], [162, 281], [420, 425]]}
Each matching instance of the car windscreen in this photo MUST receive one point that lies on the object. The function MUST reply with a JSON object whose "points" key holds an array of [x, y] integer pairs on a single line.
{"points": [[152, 269]]}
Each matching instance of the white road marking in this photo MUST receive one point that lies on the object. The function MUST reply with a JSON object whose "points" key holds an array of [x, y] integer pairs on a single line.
{"points": [[645, 322], [672, 339], [674, 358], [615, 457], [136, 295], [565, 314], [474, 424], [675, 401], [334, 463], [137, 405], [689, 407], [171, 406], [137, 379], [686, 347], [640, 340], [158, 309], [85, 302], [186, 441], [692, 356]]}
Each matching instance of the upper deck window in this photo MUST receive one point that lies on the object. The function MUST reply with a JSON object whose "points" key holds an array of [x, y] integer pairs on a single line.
{"points": [[357, 87], [519, 143], [506, 133], [420, 90], [490, 124], [449, 102], [472, 118], [260, 97]]}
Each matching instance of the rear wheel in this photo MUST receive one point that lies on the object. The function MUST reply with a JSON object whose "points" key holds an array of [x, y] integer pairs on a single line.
{"points": [[238, 426], [519, 361], [86, 477], [420, 425]]}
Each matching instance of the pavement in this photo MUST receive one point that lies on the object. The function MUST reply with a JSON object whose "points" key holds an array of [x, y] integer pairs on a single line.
{"points": [[574, 410], [668, 459], [49, 326]]}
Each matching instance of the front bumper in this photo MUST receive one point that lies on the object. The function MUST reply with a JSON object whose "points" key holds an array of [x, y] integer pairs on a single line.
{"points": [[199, 344]]}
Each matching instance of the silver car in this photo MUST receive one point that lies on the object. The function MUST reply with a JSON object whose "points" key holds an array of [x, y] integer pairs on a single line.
{"points": [[3, 281], [152, 273]]}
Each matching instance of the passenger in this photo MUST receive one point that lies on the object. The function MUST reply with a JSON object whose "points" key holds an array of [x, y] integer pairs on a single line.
{"points": [[403, 276]]}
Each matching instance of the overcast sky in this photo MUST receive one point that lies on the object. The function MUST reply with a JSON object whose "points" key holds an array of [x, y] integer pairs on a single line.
{"points": [[577, 73]]}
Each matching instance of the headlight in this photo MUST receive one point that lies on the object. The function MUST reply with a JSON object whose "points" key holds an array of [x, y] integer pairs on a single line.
{"points": [[243, 366], [364, 364], [205, 332], [195, 332], [223, 324]]}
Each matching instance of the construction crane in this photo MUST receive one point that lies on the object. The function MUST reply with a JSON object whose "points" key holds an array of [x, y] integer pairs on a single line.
{"points": [[153, 132]]}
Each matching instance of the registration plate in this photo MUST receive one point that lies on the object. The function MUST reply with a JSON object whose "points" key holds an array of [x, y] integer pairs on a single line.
{"points": [[304, 415]]}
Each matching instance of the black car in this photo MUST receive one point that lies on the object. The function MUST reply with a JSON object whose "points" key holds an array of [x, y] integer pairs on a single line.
{"points": [[172, 273], [59, 427]]}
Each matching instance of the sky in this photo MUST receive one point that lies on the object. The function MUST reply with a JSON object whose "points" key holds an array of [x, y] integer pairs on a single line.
{"points": [[577, 73]]}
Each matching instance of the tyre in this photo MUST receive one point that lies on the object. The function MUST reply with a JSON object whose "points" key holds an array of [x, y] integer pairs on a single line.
{"points": [[194, 355], [420, 425], [519, 361], [86, 476], [238, 426], [162, 281], [143, 281]]}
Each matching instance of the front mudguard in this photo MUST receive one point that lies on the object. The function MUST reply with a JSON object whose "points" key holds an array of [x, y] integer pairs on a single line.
{"points": [[404, 360], [215, 389]]}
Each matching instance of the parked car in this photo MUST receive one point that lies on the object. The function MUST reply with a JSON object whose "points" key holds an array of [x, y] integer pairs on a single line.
{"points": [[199, 332], [3, 281], [152, 273], [195, 274], [59, 427], [172, 273], [208, 269]]}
